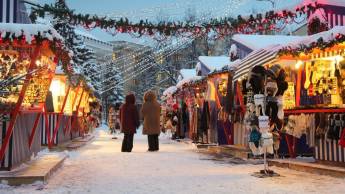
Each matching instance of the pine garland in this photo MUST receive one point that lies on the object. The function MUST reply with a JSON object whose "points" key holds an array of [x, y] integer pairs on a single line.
{"points": [[319, 43], [226, 25]]}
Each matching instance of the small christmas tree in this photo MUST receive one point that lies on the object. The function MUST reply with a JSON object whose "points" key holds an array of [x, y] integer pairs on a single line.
{"points": [[112, 85]]}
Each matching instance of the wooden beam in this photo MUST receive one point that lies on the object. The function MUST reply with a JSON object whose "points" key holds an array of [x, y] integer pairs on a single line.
{"points": [[75, 120]]}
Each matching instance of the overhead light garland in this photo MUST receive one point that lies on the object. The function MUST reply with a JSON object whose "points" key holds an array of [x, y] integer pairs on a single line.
{"points": [[226, 25]]}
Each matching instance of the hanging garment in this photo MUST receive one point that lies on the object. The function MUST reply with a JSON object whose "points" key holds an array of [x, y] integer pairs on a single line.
{"points": [[320, 124], [342, 139], [310, 135], [194, 124], [199, 124], [213, 122], [235, 133], [228, 127], [276, 136], [222, 137], [280, 104], [255, 150], [205, 117], [296, 125], [335, 127], [185, 119], [255, 136], [267, 142]]}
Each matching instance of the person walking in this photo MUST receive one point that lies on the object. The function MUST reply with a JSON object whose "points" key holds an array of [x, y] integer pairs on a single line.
{"points": [[151, 111], [129, 119], [111, 120]]}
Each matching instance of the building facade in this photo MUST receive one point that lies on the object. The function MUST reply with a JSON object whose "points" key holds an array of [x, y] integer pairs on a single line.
{"points": [[13, 11]]}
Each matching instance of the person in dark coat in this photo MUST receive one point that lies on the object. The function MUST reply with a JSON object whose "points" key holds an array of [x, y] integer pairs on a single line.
{"points": [[129, 118]]}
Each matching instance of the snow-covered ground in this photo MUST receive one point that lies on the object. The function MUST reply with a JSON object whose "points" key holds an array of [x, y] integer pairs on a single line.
{"points": [[100, 167]]}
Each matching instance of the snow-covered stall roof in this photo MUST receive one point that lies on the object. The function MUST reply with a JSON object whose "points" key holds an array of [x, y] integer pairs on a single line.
{"points": [[170, 91], [232, 66], [29, 31], [189, 81], [187, 73], [326, 36], [214, 62], [255, 42]]}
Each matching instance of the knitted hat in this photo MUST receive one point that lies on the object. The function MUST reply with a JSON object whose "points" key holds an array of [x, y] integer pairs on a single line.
{"points": [[274, 71]]}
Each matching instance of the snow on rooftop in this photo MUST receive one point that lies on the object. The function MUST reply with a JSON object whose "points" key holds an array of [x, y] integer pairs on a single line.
{"points": [[29, 31], [214, 62], [327, 36], [170, 91], [86, 34], [188, 81], [256, 42], [187, 73], [232, 66]]}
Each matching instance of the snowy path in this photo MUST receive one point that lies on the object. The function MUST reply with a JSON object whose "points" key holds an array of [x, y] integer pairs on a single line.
{"points": [[100, 167]]}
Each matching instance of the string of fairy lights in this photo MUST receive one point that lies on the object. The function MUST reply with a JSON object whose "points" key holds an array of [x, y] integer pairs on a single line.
{"points": [[144, 67], [144, 64]]}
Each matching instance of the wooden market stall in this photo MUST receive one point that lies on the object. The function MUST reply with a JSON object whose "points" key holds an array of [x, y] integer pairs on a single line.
{"points": [[312, 107], [189, 99], [62, 122], [28, 55], [220, 98], [316, 77]]}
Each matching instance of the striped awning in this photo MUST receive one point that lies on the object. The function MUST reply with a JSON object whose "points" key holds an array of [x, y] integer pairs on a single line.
{"points": [[258, 57]]}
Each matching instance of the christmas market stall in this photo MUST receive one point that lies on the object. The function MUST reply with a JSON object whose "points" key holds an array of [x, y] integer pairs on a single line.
{"points": [[251, 91], [314, 101], [67, 109], [220, 98], [28, 54], [291, 97], [188, 105]]}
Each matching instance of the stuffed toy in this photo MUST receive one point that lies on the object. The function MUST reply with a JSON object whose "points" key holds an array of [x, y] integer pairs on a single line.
{"points": [[274, 91], [257, 79]]}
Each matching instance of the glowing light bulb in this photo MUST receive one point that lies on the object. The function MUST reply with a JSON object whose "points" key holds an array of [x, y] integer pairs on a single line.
{"points": [[38, 63], [298, 64]]}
